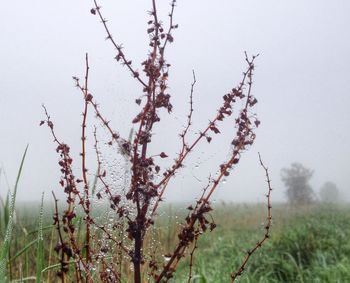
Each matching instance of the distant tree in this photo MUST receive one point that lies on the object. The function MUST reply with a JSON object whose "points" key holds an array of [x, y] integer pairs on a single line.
{"points": [[296, 179], [329, 193]]}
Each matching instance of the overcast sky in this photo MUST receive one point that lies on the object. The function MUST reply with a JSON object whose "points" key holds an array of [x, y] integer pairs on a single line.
{"points": [[301, 82]]}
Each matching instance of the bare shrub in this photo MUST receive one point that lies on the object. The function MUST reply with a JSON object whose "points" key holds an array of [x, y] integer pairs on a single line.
{"points": [[122, 238]]}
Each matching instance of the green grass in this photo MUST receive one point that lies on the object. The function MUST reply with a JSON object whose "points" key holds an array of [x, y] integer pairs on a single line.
{"points": [[310, 244], [8, 212]]}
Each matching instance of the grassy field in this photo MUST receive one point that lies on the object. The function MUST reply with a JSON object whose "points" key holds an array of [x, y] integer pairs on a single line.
{"points": [[308, 244]]}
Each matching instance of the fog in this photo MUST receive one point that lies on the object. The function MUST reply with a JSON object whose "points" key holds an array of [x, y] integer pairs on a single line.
{"points": [[301, 82]]}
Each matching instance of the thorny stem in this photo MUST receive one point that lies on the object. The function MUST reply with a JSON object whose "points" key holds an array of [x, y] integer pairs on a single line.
{"points": [[183, 138], [187, 149], [267, 227], [138, 241], [58, 227], [247, 131], [119, 48], [245, 135], [143, 196], [171, 27], [100, 177], [83, 161], [145, 127], [191, 259], [68, 181]]}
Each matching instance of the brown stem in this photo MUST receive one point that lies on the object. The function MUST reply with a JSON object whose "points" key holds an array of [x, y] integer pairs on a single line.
{"points": [[117, 46], [191, 259], [83, 161], [267, 227], [60, 237], [137, 257]]}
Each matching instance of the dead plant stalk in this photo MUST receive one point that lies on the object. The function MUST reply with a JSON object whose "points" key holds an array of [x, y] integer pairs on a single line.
{"points": [[134, 208]]}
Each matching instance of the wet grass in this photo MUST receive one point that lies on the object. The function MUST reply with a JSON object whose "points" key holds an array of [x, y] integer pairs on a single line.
{"points": [[307, 245], [310, 244]]}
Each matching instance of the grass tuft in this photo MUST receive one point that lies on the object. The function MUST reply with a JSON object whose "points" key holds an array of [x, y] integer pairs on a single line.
{"points": [[4, 250]]}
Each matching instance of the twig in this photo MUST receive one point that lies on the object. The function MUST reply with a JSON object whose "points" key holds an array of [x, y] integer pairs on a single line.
{"points": [[183, 138], [244, 137], [267, 228], [83, 161], [120, 54], [192, 258]]}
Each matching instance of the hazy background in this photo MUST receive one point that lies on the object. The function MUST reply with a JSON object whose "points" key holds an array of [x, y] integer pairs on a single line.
{"points": [[301, 82]]}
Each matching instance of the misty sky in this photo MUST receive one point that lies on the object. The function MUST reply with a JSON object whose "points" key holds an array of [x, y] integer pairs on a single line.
{"points": [[301, 82]]}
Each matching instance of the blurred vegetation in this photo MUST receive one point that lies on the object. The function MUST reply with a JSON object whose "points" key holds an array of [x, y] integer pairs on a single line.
{"points": [[308, 244], [329, 193], [296, 178]]}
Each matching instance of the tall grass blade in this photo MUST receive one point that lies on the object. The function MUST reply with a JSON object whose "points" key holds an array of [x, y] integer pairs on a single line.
{"points": [[30, 278], [25, 248], [7, 209], [40, 242], [6, 244], [44, 228], [56, 266]]}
